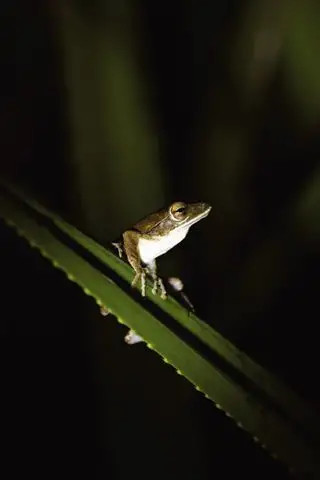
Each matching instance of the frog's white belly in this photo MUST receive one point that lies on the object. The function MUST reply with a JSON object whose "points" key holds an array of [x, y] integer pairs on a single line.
{"points": [[150, 249]]}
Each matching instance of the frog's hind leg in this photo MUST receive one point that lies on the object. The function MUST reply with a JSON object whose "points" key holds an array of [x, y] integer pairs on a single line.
{"points": [[130, 240]]}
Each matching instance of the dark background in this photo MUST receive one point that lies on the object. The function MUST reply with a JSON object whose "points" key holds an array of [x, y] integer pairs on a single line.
{"points": [[111, 110]]}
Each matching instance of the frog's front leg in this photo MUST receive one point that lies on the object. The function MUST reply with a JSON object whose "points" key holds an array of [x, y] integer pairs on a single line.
{"points": [[131, 240], [157, 281]]}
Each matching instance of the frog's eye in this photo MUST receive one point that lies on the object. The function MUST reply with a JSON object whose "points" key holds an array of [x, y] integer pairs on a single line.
{"points": [[178, 211]]}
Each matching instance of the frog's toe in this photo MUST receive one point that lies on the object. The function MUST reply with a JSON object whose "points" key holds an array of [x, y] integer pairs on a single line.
{"points": [[104, 311], [135, 279], [143, 284], [155, 287], [117, 245], [162, 288], [142, 277]]}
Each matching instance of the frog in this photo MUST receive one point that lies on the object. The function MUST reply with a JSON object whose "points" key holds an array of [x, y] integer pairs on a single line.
{"points": [[153, 236]]}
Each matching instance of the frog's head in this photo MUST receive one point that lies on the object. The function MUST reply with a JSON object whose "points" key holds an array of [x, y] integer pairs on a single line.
{"points": [[186, 214]]}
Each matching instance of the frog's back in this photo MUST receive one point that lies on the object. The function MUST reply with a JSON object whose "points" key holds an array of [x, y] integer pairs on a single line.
{"points": [[147, 224]]}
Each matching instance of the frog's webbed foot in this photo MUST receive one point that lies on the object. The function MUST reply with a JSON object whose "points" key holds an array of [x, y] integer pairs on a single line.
{"points": [[118, 246], [157, 281]]}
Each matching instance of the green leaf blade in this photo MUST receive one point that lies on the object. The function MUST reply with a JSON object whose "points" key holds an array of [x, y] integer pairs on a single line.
{"points": [[257, 401]]}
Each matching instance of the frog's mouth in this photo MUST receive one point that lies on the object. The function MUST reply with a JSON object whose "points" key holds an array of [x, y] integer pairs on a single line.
{"points": [[188, 222]]}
